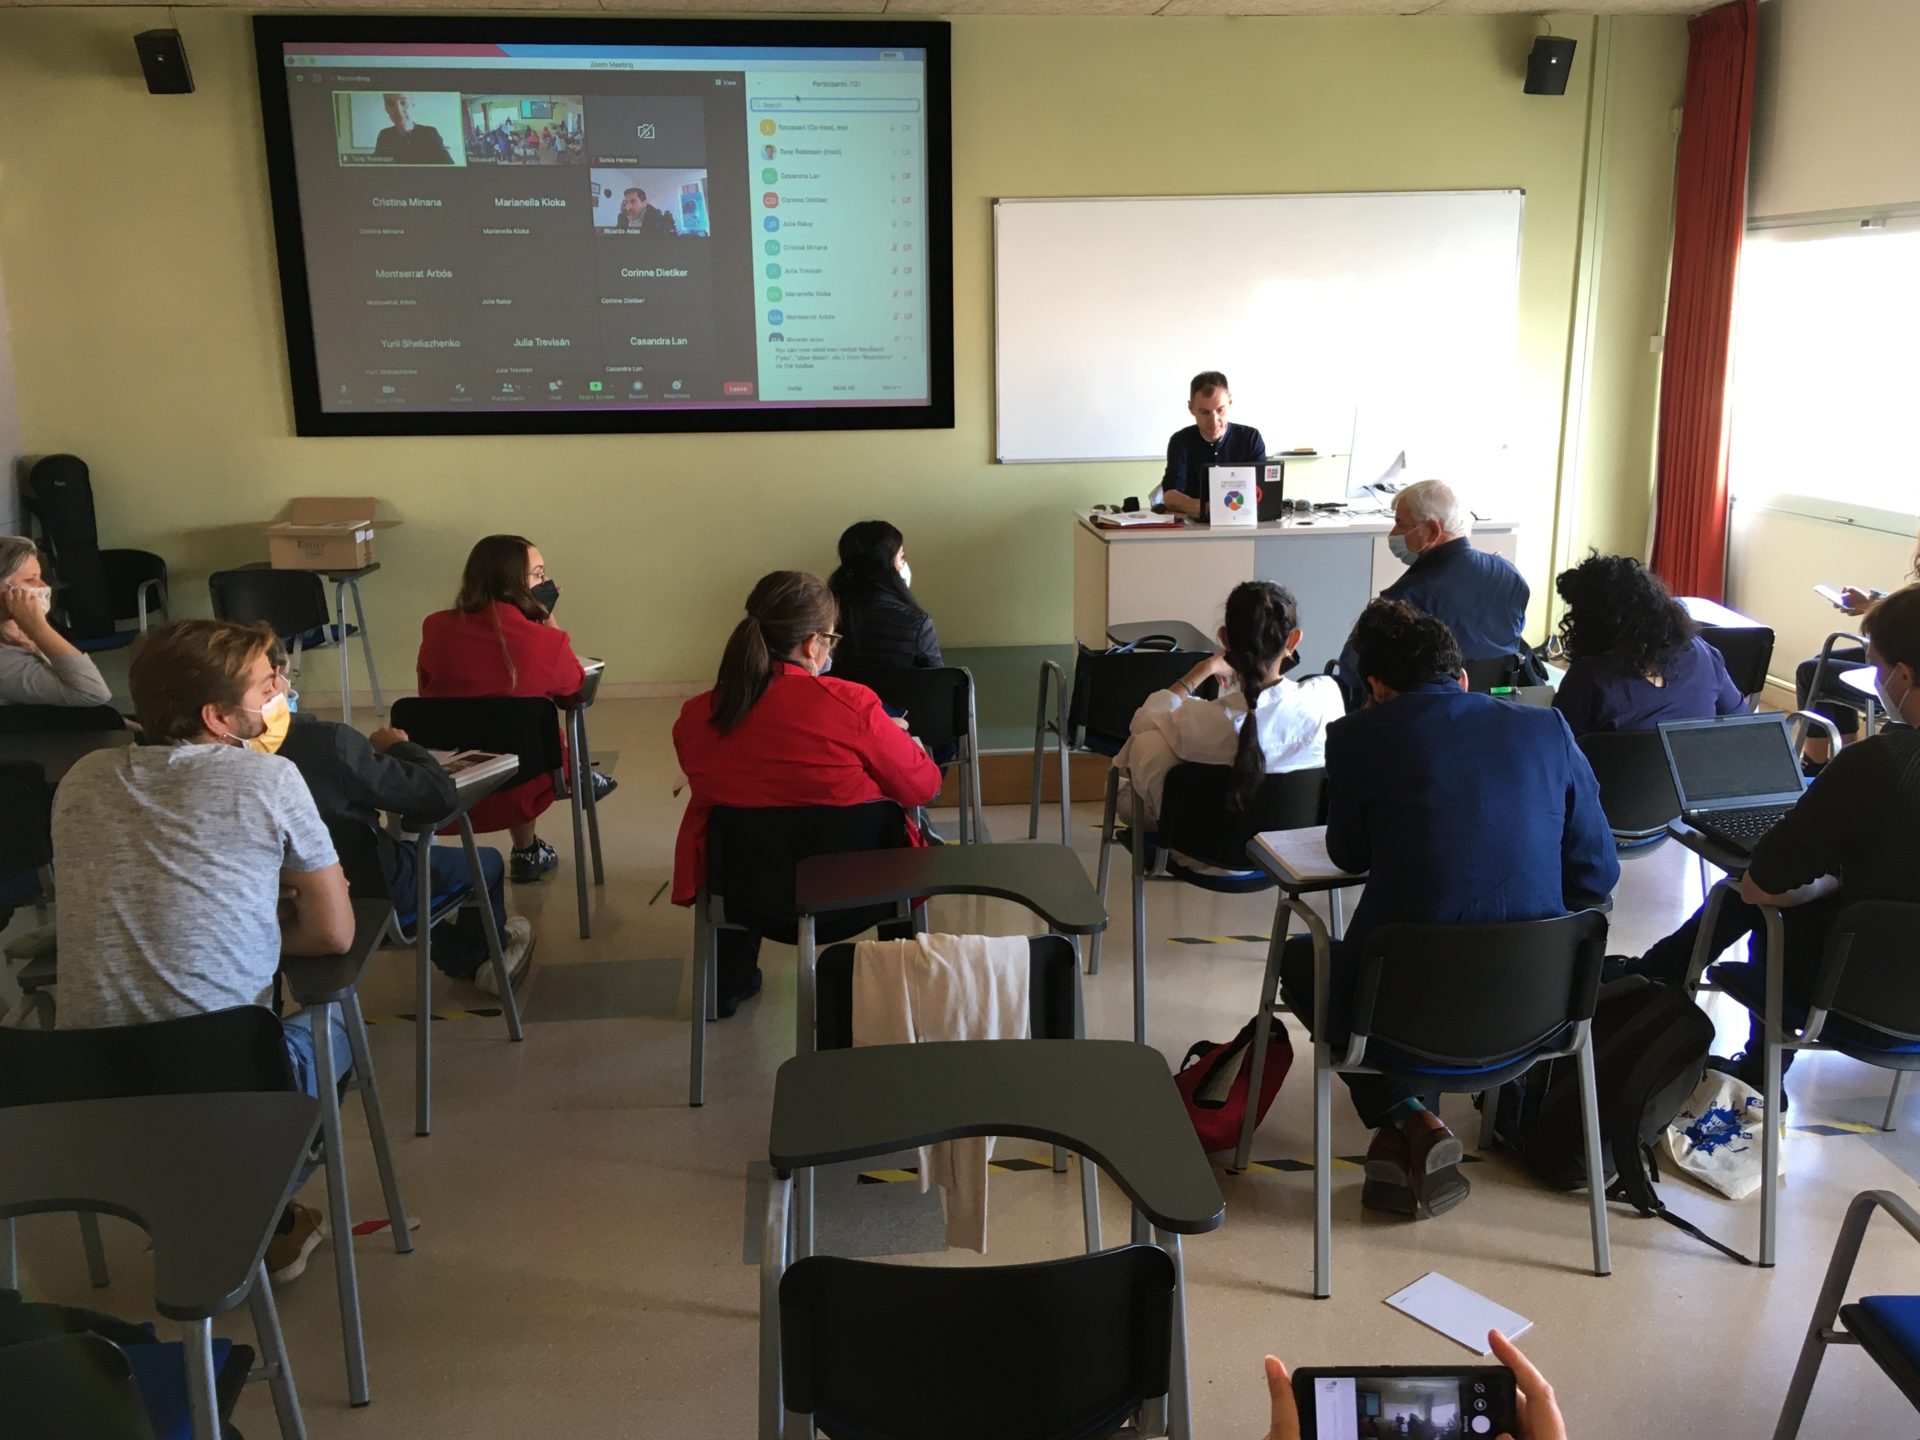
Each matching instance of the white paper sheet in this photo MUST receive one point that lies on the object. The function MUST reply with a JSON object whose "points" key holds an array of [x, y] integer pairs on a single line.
{"points": [[1456, 1312]]}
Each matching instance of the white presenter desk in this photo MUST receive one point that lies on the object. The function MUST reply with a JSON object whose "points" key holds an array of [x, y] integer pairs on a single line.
{"points": [[1333, 567]]}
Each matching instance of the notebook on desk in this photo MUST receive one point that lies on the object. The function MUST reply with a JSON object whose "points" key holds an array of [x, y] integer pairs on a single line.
{"points": [[475, 767], [1736, 777]]}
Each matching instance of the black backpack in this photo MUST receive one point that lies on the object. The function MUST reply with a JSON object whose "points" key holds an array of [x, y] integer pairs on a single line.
{"points": [[1650, 1048]]}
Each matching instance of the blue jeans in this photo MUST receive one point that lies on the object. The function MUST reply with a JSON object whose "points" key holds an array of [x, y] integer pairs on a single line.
{"points": [[447, 871], [297, 1030]]}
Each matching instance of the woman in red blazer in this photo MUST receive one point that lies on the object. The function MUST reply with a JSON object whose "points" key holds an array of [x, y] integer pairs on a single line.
{"points": [[500, 639], [777, 730]]}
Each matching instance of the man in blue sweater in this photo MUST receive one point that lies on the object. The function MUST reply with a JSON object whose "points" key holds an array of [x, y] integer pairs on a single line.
{"points": [[1481, 596], [1211, 440], [1460, 809]]}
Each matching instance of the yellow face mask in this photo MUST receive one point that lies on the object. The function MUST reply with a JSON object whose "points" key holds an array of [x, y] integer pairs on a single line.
{"points": [[277, 716]]}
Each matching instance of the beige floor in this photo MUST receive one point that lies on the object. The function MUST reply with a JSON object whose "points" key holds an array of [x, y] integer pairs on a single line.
{"points": [[580, 1271]]}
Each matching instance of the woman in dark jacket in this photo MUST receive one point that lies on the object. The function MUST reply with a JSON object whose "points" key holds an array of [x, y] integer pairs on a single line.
{"points": [[883, 625]]}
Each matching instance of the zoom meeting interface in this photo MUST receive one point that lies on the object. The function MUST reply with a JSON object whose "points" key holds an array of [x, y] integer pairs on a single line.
{"points": [[629, 227], [1372, 1407]]}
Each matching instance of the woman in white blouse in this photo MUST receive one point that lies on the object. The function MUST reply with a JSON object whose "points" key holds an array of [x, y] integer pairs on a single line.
{"points": [[37, 666], [1291, 717]]}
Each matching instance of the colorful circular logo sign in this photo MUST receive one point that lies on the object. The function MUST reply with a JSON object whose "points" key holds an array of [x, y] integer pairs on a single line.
{"points": [[1235, 500]]}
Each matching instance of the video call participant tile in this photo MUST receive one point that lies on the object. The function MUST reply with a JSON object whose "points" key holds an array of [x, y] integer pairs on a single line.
{"points": [[665, 345], [640, 203], [539, 345], [511, 203], [398, 128], [373, 207], [656, 131], [534, 273], [674, 273], [525, 128]]}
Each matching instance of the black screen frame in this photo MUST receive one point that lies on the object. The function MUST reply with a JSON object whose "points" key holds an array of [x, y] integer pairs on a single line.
{"points": [[272, 33]]}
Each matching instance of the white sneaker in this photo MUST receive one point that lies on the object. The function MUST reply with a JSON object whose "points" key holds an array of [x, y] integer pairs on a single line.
{"points": [[518, 953]]}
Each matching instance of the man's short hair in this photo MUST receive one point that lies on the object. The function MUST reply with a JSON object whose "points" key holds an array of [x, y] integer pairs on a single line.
{"points": [[1893, 625], [392, 95], [635, 190], [1402, 647], [1206, 382], [181, 666], [1434, 500]]}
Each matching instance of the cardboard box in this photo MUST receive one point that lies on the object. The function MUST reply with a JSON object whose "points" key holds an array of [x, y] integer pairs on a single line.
{"points": [[326, 532]]}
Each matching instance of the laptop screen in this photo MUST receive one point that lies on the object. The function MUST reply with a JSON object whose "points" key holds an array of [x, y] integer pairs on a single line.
{"points": [[1717, 762]]}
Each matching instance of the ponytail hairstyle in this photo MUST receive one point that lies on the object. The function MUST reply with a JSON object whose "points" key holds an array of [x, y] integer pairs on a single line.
{"points": [[1261, 617], [868, 551], [784, 609], [496, 573]]}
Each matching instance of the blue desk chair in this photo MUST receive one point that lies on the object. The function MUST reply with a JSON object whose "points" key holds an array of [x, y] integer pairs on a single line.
{"points": [[1459, 1009], [1865, 1004], [1195, 822], [1887, 1327]]}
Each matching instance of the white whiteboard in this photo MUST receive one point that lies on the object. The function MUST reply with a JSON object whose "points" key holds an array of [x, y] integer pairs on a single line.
{"points": [[1359, 325]]}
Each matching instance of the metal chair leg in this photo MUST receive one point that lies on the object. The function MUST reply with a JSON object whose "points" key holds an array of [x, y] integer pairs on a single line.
{"points": [[509, 1003], [1893, 1100], [1039, 754], [1489, 1116], [593, 806], [773, 1264], [697, 1003], [340, 1211], [201, 1402], [9, 1255], [273, 1357], [346, 672], [1322, 1168], [96, 1251], [1596, 1166], [803, 1045], [1262, 1032], [1107, 821], [980, 834], [1776, 1047], [366, 648], [1090, 1203], [376, 1123], [423, 988], [1179, 1416], [1066, 785], [1139, 879], [577, 764]]}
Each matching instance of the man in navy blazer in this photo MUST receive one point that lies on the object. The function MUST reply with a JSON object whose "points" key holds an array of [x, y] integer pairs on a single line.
{"points": [[1460, 809], [1481, 596]]}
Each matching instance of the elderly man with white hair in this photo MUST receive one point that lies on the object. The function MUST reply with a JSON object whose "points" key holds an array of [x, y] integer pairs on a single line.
{"points": [[1482, 597]]}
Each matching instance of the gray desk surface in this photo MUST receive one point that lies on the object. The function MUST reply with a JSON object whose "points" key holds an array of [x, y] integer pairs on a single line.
{"points": [[1048, 879], [1110, 1100], [1707, 848], [204, 1175], [1183, 635], [327, 979], [55, 752]]}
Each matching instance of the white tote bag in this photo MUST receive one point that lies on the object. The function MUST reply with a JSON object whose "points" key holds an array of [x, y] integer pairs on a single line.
{"points": [[1716, 1137]]}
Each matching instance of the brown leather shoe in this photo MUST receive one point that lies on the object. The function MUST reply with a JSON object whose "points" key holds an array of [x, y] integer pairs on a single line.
{"points": [[1387, 1186], [1433, 1157]]}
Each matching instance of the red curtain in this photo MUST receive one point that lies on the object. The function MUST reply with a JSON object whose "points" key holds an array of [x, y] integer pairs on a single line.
{"points": [[1710, 217]]}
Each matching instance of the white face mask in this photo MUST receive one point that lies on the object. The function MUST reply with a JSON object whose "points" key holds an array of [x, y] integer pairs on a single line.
{"points": [[906, 574], [1887, 702]]}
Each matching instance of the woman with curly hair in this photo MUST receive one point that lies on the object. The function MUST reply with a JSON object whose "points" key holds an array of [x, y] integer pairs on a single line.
{"points": [[1636, 657]]}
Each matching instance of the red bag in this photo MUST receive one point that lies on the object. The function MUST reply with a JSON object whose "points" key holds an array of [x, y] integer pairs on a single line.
{"points": [[1216, 1117]]}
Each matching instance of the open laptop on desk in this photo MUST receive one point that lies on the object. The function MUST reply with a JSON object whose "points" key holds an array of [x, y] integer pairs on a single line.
{"points": [[1736, 777]]}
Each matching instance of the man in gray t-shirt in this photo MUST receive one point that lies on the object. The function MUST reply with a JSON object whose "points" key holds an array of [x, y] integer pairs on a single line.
{"points": [[190, 863]]}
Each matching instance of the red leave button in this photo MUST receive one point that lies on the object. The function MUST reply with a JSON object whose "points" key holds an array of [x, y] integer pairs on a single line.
{"points": [[737, 387]]}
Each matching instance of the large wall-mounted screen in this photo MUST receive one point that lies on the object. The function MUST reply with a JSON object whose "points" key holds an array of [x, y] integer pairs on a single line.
{"points": [[496, 226]]}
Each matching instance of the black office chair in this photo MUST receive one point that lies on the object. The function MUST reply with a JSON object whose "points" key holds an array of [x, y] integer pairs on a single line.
{"points": [[1097, 714], [293, 603], [59, 719], [1195, 822], [529, 727], [1865, 1004], [1748, 651], [94, 589], [1059, 1350], [1503, 672], [81, 1386], [940, 712], [751, 855], [1825, 694], [1636, 785], [1461, 1008]]}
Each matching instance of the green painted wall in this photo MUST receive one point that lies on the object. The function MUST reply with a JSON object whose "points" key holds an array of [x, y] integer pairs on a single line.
{"points": [[136, 250]]}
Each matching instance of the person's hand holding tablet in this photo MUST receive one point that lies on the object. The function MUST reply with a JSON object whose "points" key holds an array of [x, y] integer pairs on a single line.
{"points": [[1537, 1410]]}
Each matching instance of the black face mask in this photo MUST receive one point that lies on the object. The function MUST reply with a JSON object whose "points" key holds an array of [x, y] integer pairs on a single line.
{"points": [[546, 594]]}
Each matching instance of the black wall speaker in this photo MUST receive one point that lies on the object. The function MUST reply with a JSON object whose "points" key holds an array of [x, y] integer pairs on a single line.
{"points": [[163, 56], [1550, 65]]}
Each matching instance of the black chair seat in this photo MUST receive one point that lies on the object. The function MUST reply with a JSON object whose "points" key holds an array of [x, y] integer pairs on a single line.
{"points": [[1636, 784], [1746, 983], [1888, 1329]]}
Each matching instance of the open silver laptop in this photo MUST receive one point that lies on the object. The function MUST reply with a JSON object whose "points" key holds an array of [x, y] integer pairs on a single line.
{"points": [[1736, 777]]}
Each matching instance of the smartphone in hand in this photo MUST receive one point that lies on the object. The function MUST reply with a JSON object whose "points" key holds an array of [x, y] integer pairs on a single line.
{"points": [[1831, 594], [1375, 1402]]}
